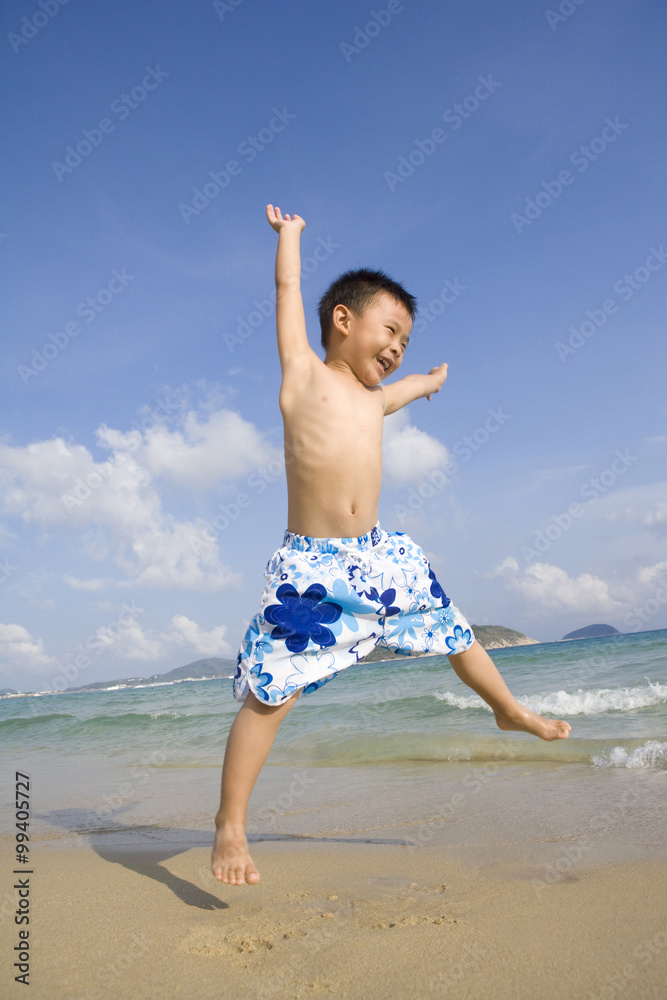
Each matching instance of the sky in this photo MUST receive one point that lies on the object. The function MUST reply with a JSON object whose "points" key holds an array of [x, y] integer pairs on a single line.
{"points": [[505, 162]]}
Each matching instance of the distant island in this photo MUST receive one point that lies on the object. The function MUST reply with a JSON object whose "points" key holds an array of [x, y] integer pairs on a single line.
{"points": [[488, 636], [212, 667], [591, 632]]}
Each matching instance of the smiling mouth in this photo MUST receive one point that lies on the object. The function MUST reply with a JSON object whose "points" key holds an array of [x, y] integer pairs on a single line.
{"points": [[384, 364]]}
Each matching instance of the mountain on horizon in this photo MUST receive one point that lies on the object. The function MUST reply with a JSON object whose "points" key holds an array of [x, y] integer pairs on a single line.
{"points": [[592, 632], [212, 666]]}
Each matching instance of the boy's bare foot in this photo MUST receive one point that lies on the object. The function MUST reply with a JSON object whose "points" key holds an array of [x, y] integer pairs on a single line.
{"points": [[230, 858], [529, 722]]}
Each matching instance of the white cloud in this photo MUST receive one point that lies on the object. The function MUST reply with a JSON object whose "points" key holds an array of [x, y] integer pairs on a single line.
{"points": [[131, 642], [7, 537], [211, 643], [407, 452], [201, 453], [116, 504], [19, 651], [128, 640], [92, 584], [644, 506], [651, 573], [551, 587]]}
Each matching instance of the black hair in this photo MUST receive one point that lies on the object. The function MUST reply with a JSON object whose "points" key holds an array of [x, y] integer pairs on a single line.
{"points": [[357, 290]]}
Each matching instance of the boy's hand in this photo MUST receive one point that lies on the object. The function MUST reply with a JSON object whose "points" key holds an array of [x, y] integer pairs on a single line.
{"points": [[438, 375], [277, 222]]}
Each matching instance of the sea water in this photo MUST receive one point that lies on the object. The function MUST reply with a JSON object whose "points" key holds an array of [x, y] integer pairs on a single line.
{"points": [[95, 756]]}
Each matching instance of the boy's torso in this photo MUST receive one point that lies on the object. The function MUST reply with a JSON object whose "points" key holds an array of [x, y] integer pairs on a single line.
{"points": [[333, 451]]}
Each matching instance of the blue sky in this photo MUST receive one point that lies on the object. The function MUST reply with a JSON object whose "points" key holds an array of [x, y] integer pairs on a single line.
{"points": [[141, 377]]}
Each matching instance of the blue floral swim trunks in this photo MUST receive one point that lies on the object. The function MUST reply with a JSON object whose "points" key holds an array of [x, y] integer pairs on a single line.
{"points": [[330, 601]]}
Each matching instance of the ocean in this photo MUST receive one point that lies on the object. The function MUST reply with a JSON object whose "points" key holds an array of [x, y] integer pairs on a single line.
{"points": [[374, 743]]}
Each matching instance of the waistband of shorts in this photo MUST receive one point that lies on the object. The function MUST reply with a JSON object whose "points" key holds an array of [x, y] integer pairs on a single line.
{"points": [[308, 543]]}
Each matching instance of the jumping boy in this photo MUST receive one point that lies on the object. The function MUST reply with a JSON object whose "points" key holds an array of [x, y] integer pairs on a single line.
{"points": [[340, 584]]}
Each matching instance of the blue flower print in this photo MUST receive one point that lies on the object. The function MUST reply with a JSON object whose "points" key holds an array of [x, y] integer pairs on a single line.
{"points": [[354, 608], [290, 572], [322, 662], [298, 619], [252, 633], [398, 636], [429, 637], [392, 576], [436, 589], [460, 641], [263, 682], [445, 617], [388, 608]]}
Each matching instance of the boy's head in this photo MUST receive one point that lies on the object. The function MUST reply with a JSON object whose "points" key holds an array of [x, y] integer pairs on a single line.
{"points": [[357, 291]]}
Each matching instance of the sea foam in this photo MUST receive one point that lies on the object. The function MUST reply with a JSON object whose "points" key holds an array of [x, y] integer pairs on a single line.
{"points": [[580, 702], [651, 754]]}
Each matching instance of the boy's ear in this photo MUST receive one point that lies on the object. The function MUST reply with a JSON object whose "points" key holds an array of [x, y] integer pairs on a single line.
{"points": [[340, 319]]}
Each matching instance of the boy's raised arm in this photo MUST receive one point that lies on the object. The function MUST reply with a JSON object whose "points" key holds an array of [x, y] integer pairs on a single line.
{"points": [[290, 320]]}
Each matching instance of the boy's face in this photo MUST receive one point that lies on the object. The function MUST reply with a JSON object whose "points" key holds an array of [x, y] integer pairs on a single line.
{"points": [[377, 339]]}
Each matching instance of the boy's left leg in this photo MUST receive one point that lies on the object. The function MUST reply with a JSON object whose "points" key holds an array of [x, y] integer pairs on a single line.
{"points": [[476, 669]]}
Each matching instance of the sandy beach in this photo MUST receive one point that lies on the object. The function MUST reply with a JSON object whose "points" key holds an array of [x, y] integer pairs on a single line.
{"points": [[382, 882], [340, 920]]}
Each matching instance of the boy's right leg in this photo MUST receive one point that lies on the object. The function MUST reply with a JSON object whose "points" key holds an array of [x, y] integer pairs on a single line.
{"points": [[248, 745]]}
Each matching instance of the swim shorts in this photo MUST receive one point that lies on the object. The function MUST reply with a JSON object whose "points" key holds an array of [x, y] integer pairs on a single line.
{"points": [[330, 601]]}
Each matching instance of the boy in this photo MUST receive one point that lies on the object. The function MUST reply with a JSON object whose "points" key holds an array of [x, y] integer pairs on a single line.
{"points": [[339, 585]]}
